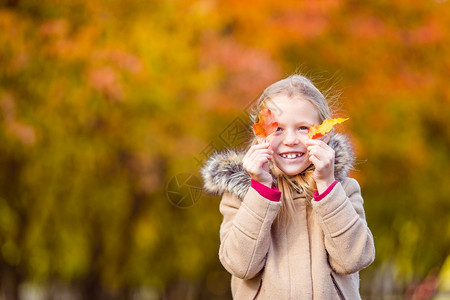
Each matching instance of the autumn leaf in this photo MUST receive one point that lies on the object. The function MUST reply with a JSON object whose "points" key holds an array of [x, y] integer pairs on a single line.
{"points": [[266, 124], [326, 126]]}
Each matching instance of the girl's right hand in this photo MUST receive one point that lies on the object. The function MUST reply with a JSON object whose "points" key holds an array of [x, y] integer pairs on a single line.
{"points": [[256, 163]]}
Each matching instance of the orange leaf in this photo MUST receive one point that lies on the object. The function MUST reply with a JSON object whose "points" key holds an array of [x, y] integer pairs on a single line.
{"points": [[319, 131], [266, 124]]}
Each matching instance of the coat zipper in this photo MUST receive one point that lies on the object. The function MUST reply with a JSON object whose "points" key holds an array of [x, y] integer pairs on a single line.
{"points": [[338, 289]]}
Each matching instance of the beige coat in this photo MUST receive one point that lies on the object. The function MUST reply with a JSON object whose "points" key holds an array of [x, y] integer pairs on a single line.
{"points": [[316, 257]]}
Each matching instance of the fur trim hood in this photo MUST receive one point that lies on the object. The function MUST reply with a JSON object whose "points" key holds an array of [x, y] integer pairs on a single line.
{"points": [[224, 171]]}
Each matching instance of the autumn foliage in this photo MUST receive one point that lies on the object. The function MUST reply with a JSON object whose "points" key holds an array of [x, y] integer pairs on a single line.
{"points": [[266, 124], [327, 125], [103, 102]]}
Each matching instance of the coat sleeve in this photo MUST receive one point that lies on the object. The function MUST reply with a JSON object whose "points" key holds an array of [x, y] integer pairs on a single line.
{"points": [[348, 239], [245, 232]]}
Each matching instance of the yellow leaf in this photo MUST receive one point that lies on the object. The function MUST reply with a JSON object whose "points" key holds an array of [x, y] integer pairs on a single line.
{"points": [[327, 125]]}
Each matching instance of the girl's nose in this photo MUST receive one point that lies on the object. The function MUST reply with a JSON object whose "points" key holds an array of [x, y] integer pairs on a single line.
{"points": [[291, 138]]}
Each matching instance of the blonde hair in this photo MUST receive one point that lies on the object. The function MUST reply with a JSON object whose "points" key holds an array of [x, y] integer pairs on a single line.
{"points": [[294, 86]]}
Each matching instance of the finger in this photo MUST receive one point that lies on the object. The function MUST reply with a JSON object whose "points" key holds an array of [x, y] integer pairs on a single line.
{"points": [[319, 143], [262, 145], [321, 148], [327, 157], [325, 146], [257, 166], [311, 142], [322, 161], [316, 162], [261, 160], [316, 142], [314, 150], [254, 148], [257, 156], [260, 152], [255, 163]]}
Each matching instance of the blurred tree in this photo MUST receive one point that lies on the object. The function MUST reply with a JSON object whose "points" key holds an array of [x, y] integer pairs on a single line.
{"points": [[102, 103]]}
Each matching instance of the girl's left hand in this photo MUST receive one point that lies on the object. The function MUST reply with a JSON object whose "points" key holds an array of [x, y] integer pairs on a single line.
{"points": [[322, 157]]}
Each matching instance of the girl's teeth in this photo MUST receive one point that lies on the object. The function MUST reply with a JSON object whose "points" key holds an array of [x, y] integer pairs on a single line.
{"points": [[290, 155]]}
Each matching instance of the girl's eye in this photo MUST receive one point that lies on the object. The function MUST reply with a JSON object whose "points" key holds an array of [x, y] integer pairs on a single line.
{"points": [[303, 128], [279, 129]]}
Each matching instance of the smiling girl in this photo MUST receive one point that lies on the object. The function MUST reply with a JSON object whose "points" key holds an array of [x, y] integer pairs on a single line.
{"points": [[293, 221]]}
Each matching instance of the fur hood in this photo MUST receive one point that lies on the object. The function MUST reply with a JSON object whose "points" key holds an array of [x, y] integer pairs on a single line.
{"points": [[224, 172]]}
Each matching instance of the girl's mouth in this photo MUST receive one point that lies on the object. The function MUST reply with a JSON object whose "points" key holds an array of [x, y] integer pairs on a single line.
{"points": [[292, 155]]}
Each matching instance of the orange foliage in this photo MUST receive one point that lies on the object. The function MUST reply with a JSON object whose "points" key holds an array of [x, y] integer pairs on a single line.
{"points": [[197, 59], [247, 70], [266, 124], [15, 127], [105, 80]]}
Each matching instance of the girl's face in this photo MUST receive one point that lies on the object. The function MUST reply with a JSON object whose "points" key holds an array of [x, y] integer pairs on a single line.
{"points": [[294, 116]]}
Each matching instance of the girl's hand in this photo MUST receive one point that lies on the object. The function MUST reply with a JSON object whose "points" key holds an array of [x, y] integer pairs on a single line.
{"points": [[256, 163], [322, 157]]}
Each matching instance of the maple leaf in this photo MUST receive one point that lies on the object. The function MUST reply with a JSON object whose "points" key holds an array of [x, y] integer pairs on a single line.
{"points": [[266, 124], [326, 126]]}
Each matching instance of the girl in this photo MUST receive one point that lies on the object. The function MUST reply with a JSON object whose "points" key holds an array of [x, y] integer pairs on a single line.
{"points": [[293, 222]]}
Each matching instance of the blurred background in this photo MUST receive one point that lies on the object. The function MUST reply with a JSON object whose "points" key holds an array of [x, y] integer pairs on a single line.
{"points": [[109, 108]]}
